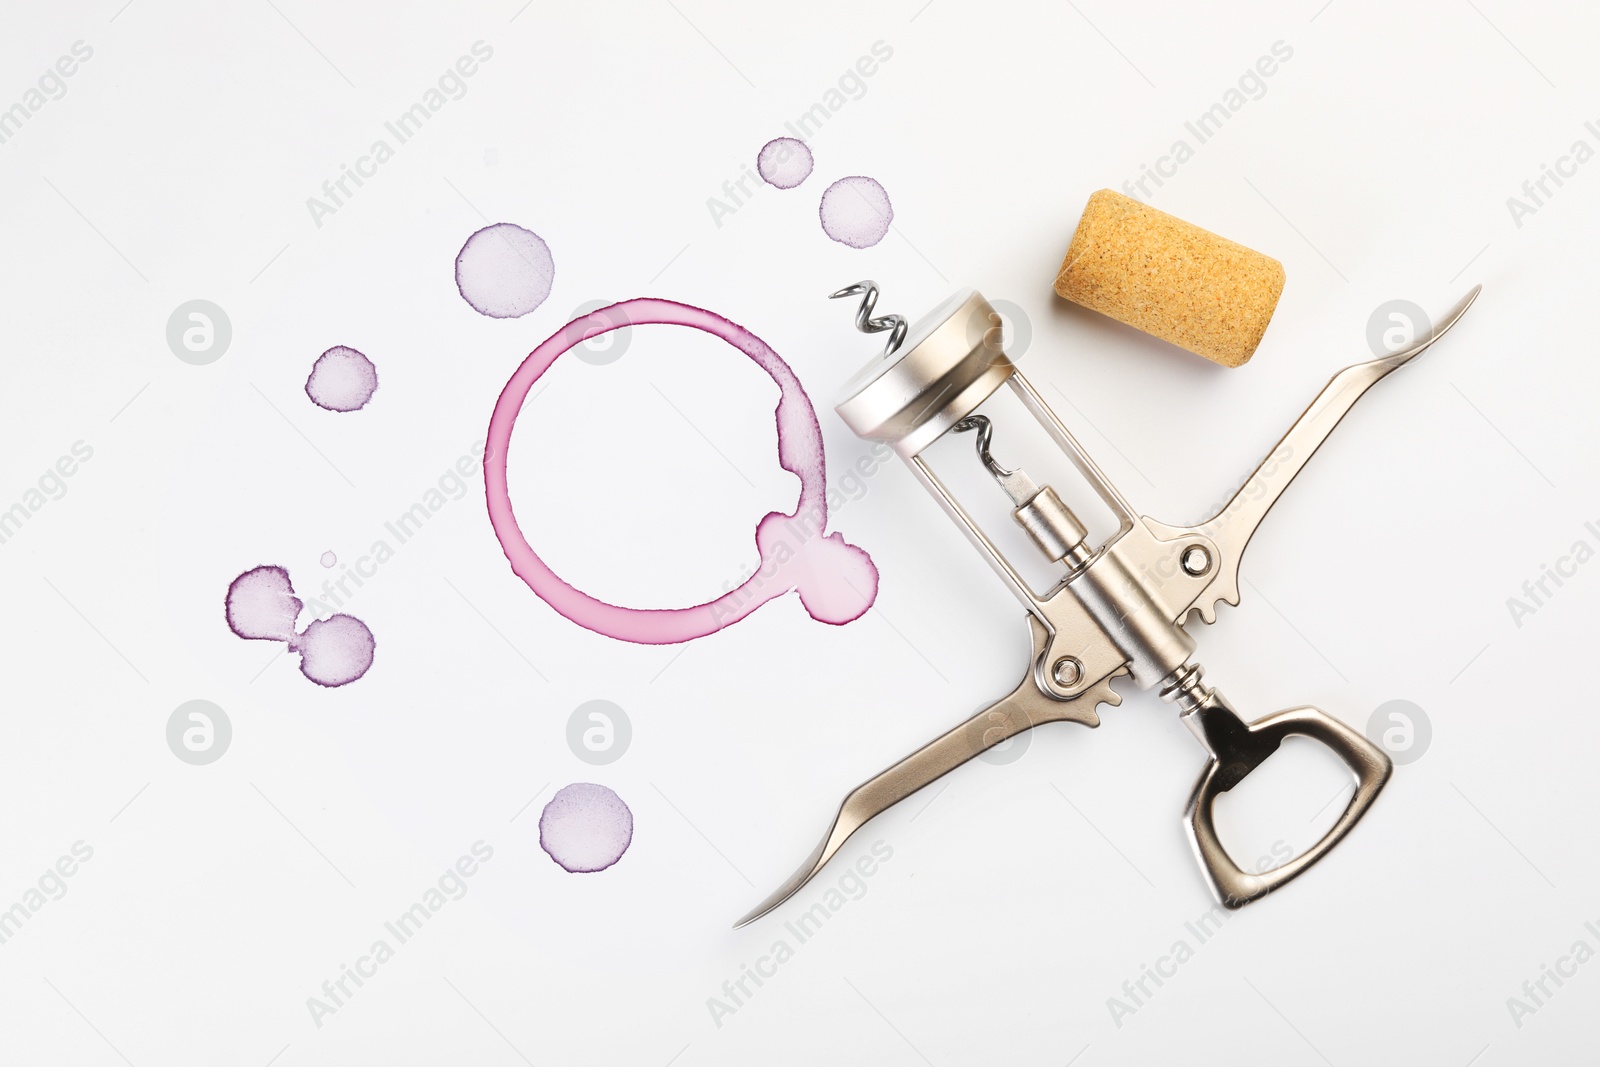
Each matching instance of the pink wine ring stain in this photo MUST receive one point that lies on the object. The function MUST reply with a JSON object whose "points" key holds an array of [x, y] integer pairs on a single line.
{"points": [[261, 606], [837, 582]]}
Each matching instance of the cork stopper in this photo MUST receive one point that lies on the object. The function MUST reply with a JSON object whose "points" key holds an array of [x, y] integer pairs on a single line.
{"points": [[1170, 278]]}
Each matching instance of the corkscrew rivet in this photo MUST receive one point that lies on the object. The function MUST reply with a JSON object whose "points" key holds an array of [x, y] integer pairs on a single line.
{"points": [[1068, 672]]}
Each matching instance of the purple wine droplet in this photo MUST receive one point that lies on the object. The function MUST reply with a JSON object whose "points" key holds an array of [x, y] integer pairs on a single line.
{"points": [[585, 828], [261, 606], [335, 651], [342, 379], [329, 559], [784, 162], [856, 211], [504, 271]]}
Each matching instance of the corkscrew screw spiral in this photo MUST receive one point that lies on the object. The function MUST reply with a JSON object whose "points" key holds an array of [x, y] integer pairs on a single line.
{"points": [[894, 325]]}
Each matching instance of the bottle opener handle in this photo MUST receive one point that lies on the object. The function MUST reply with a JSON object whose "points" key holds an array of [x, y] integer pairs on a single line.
{"points": [[1237, 748]]}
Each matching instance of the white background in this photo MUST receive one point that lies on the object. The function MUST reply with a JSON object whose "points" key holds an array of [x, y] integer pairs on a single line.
{"points": [[1020, 897]]}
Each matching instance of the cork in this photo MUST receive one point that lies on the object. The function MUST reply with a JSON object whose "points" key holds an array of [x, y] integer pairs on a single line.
{"points": [[1170, 278]]}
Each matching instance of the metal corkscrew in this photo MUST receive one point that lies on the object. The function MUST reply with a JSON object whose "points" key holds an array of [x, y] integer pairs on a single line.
{"points": [[1119, 608]]}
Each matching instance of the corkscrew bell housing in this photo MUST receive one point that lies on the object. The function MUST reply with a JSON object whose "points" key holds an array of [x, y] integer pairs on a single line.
{"points": [[1119, 608]]}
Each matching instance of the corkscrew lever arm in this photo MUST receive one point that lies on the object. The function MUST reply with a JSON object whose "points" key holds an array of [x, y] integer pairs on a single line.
{"points": [[1231, 528], [1022, 709]]}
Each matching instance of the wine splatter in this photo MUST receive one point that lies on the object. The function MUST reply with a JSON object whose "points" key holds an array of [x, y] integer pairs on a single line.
{"points": [[856, 211], [784, 162], [585, 828], [261, 606], [329, 559], [836, 581], [342, 379], [504, 271]]}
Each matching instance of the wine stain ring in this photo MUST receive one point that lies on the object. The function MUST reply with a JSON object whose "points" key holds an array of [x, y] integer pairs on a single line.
{"points": [[837, 582]]}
